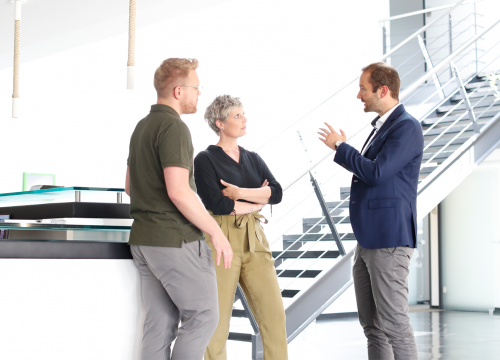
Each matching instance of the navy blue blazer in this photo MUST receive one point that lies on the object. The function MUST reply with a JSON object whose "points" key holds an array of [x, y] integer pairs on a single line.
{"points": [[383, 203]]}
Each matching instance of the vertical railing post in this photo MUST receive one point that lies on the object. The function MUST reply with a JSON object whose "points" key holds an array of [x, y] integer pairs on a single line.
{"points": [[326, 213], [430, 66], [465, 97]]}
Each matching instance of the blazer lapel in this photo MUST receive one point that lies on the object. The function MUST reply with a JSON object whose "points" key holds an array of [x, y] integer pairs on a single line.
{"points": [[387, 124], [369, 137]]}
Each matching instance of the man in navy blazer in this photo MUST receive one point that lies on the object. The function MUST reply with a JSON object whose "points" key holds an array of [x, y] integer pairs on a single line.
{"points": [[382, 207]]}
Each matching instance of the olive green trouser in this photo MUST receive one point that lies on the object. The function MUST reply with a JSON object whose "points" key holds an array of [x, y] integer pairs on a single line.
{"points": [[253, 268]]}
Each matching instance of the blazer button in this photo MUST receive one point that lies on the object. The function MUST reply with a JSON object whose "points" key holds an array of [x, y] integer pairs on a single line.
{"points": [[355, 180], [354, 202]]}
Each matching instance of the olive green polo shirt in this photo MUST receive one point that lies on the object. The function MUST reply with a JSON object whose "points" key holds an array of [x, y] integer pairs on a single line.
{"points": [[159, 140]]}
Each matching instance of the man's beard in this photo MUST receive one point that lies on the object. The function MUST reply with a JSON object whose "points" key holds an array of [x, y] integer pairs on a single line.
{"points": [[373, 105], [189, 108]]}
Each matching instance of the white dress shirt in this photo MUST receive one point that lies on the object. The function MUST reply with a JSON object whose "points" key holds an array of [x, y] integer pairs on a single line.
{"points": [[378, 125]]}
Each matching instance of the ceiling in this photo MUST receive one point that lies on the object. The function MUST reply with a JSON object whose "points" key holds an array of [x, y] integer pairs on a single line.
{"points": [[51, 26]]}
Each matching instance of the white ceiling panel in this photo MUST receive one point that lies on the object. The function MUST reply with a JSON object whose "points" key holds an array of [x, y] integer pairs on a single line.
{"points": [[51, 26]]}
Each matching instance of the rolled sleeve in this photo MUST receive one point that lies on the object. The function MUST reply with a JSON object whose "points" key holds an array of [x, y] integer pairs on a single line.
{"points": [[175, 145]]}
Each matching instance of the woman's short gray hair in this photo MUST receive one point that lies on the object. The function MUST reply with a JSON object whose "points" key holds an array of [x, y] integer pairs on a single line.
{"points": [[220, 109]]}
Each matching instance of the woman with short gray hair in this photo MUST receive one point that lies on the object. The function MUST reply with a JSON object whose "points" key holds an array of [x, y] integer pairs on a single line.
{"points": [[234, 185]]}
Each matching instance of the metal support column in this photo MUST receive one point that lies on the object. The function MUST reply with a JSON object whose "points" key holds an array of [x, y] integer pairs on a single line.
{"points": [[450, 31], [475, 34], [463, 92], [428, 61], [257, 349], [326, 213], [387, 40]]}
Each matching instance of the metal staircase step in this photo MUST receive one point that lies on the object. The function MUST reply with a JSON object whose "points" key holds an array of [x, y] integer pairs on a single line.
{"points": [[335, 204], [442, 142], [336, 220], [453, 130], [440, 158], [295, 273], [476, 104], [427, 170], [481, 92], [289, 293], [475, 85], [293, 254], [451, 118], [239, 313], [240, 337], [482, 74], [314, 237]]}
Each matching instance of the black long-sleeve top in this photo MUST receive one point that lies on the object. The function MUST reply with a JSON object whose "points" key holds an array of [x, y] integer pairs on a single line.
{"points": [[213, 164]]}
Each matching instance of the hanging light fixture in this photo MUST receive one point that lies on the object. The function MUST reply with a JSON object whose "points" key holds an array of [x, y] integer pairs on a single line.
{"points": [[131, 45], [17, 39]]}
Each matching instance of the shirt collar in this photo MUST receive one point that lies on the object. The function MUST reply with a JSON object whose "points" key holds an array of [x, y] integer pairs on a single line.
{"points": [[381, 120], [162, 107]]}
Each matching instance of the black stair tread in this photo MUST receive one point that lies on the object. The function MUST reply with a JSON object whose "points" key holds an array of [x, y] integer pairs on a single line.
{"points": [[289, 293], [239, 313], [442, 142], [336, 220], [476, 95], [295, 273], [240, 337], [462, 122], [441, 156], [453, 130], [427, 169], [310, 254], [335, 204], [482, 74], [314, 237], [476, 104], [451, 118], [475, 85]]}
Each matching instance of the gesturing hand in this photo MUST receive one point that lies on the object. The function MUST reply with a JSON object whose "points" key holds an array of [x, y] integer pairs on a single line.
{"points": [[330, 136], [231, 191]]}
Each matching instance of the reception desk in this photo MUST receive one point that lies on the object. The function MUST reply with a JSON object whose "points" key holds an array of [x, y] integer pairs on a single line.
{"points": [[70, 289]]}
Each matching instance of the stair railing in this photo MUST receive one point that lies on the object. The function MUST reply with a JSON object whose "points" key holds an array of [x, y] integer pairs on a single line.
{"points": [[308, 294]]}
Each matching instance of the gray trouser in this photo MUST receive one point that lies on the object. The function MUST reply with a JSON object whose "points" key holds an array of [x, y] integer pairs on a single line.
{"points": [[178, 285], [381, 285]]}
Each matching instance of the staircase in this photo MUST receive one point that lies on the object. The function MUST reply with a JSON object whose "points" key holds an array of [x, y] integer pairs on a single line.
{"points": [[461, 124]]}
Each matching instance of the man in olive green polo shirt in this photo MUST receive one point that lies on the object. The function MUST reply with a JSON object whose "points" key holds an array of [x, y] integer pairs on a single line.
{"points": [[177, 272]]}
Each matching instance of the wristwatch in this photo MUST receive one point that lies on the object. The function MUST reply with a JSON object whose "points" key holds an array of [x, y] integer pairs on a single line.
{"points": [[337, 144]]}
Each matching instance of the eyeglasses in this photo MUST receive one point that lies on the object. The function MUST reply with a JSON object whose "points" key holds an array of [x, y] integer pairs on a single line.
{"points": [[199, 87]]}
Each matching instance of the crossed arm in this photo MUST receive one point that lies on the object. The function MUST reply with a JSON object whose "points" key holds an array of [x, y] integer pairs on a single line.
{"points": [[259, 197]]}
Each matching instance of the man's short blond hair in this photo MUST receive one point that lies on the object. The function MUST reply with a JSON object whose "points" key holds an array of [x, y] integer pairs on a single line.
{"points": [[220, 109], [171, 73]]}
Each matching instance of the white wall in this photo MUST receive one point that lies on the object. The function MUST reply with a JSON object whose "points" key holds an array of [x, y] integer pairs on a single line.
{"points": [[57, 309], [470, 235], [282, 57]]}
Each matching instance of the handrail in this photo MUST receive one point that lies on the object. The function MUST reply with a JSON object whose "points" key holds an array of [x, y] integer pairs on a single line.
{"points": [[445, 62], [424, 11], [399, 46], [411, 88]]}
